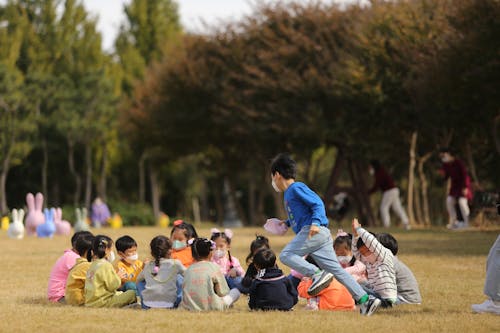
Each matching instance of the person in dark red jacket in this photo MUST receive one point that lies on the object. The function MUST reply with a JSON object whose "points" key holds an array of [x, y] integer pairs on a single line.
{"points": [[271, 290], [454, 169], [390, 195]]}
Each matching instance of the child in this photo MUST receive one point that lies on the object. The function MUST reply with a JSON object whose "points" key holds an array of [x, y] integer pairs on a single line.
{"points": [[342, 247], [161, 276], [259, 243], [102, 281], [75, 285], [204, 287], [379, 263], [334, 297], [307, 218], [128, 264], [181, 233], [60, 270], [271, 290], [407, 285], [229, 265]]}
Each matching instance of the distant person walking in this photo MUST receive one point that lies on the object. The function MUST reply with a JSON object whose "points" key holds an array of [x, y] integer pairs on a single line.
{"points": [[454, 169], [390, 195]]}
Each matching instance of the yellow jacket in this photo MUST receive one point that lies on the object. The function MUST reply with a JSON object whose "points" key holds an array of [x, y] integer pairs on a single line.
{"points": [[101, 283], [75, 285], [132, 270]]}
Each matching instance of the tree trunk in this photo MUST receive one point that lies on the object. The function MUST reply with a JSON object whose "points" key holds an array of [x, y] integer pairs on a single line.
{"points": [[334, 177], [45, 167], [78, 180], [155, 191], [496, 137], [424, 188], [205, 209], [142, 181], [102, 188], [88, 174], [472, 165], [196, 209], [411, 177], [252, 209], [3, 181], [418, 206], [219, 206]]}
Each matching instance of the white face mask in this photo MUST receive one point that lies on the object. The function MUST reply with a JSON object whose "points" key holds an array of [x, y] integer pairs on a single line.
{"points": [[273, 183], [371, 258], [133, 257], [111, 257], [218, 254], [344, 260]]}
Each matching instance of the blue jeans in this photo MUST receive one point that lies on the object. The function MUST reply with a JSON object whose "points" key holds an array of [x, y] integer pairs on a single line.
{"points": [[129, 286], [320, 247], [234, 282]]}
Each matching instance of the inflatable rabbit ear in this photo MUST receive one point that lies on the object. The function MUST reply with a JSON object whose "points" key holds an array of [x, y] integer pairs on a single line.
{"points": [[14, 215], [58, 213], [78, 214], [84, 213], [20, 215], [46, 213], [30, 202], [39, 201]]}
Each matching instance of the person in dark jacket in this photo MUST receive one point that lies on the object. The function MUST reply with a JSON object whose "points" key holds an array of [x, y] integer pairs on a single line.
{"points": [[271, 290]]}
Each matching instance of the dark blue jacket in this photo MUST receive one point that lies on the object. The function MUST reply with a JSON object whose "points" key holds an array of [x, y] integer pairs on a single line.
{"points": [[272, 291]]}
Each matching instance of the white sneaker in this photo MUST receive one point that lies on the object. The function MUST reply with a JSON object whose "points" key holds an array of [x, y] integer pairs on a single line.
{"points": [[320, 281], [486, 306]]}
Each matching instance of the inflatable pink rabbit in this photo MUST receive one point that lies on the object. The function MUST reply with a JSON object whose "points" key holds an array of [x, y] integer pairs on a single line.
{"points": [[35, 216], [62, 227]]}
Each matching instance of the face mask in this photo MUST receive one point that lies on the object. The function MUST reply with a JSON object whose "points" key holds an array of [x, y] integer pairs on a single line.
{"points": [[219, 253], [178, 245], [275, 186], [132, 258], [111, 257], [344, 260], [371, 258]]}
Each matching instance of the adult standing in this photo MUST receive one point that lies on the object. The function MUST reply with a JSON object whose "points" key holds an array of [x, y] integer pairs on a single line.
{"points": [[459, 193], [390, 195]]}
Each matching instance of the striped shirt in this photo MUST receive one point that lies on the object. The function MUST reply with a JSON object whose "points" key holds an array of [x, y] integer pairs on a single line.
{"points": [[381, 272]]}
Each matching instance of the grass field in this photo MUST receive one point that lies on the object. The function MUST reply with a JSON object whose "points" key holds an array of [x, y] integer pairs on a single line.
{"points": [[450, 268]]}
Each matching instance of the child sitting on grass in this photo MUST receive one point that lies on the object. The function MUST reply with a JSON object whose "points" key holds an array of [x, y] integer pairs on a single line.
{"points": [[271, 290], [181, 233], [343, 251], [204, 287], [259, 243], [379, 263], [60, 270], [160, 276], [102, 281], [229, 265], [335, 297], [408, 291], [128, 264], [75, 285]]}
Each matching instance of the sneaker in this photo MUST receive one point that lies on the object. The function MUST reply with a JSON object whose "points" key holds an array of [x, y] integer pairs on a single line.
{"points": [[312, 304], [321, 280], [370, 306], [486, 306]]}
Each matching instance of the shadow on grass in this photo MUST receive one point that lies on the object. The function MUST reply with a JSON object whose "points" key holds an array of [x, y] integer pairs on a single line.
{"points": [[38, 300]]}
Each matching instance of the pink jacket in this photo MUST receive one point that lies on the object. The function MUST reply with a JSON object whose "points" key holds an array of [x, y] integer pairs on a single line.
{"points": [[358, 271], [225, 265], [59, 275]]}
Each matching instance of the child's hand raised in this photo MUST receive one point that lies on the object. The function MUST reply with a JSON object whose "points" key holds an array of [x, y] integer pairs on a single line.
{"points": [[355, 225]]}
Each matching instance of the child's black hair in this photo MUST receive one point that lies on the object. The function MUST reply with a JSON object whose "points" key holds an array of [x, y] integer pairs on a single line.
{"points": [[260, 242], [222, 234], [100, 244], [84, 245], [201, 247], [265, 258], [388, 241], [285, 165], [78, 234], [160, 246], [360, 242], [189, 230], [124, 243], [343, 240]]}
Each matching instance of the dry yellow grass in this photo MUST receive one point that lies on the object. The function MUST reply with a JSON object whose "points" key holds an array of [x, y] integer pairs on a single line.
{"points": [[450, 267]]}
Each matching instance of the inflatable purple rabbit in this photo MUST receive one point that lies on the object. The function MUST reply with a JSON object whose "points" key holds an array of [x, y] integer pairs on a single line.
{"points": [[35, 216], [48, 228], [62, 227]]}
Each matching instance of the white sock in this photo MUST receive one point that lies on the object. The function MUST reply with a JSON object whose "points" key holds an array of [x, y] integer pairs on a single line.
{"points": [[232, 297]]}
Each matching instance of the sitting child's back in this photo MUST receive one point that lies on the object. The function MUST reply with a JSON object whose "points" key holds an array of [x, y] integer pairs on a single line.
{"points": [[271, 290]]}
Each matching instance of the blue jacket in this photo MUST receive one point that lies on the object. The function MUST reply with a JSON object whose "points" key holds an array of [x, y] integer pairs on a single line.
{"points": [[272, 291], [304, 207]]}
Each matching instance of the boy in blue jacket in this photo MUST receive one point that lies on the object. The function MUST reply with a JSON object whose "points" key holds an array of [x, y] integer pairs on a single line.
{"points": [[307, 218], [271, 290]]}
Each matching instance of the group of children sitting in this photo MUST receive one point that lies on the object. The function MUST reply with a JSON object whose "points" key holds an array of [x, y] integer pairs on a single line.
{"points": [[201, 274]]}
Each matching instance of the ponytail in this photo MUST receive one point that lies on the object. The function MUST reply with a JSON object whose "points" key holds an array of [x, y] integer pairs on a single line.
{"points": [[100, 244], [160, 245]]}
